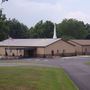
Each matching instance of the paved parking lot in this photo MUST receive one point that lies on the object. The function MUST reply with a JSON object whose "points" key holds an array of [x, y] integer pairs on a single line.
{"points": [[76, 68]]}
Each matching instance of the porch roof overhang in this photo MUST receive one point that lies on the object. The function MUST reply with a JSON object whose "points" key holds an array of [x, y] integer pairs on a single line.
{"points": [[17, 48]]}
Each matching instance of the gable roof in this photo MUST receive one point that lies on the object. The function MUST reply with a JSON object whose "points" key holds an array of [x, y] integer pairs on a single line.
{"points": [[28, 42], [81, 42]]}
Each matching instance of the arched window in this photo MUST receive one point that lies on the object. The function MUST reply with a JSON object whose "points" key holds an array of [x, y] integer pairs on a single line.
{"points": [[85, 49], [13, 54], [57, 51], [6, 54], [52, 52], [10, 51], [63, 50]]}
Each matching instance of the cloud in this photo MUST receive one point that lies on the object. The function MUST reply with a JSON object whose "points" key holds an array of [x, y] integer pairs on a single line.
{"points": [[79, 15], [31, 12], [45, 1]]}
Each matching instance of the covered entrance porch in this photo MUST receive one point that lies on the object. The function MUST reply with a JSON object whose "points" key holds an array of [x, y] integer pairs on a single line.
{"points": [[20, 52], [30, 52]]}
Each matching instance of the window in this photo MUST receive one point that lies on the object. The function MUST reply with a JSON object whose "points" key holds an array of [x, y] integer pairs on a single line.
{"points": [[57, 51], [63, 50], [85, 52], [13, 54], [10, 51], [20, 51], [6, 54], [85, 49], [52, 52]]}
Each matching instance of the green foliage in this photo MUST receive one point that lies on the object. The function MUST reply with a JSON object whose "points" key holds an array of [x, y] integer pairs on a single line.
{"points": [[88, 30], [12, 28], [42, 30], [17, 29], [3, 27], [66, 38], [67, 29], [72, 28], [87, 63]]}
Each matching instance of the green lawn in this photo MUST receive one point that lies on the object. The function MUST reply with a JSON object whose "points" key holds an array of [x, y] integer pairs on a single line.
{"points": [[87, 63], [34, 78]]}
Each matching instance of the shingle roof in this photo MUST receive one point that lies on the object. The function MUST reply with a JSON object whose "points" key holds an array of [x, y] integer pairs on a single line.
{"points": [[28, 42], [81, 42]]}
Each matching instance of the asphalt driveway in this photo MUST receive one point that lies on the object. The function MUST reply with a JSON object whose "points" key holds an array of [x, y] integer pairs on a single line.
{"points": [[78, 71], [74, 66]]}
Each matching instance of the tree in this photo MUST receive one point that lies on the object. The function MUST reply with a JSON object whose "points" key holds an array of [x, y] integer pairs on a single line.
{"points": [[42, 30], [67, 29], [72, 28], [3, 27], [12, 28], [88, 30], [17, 29]]}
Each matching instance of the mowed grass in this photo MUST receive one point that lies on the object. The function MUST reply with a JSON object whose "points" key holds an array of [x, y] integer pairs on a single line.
{"points": [[87, 63], [34, 78]]}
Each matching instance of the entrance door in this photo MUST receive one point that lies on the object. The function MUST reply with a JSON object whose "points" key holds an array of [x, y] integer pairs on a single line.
{"points": [[30, 53]]}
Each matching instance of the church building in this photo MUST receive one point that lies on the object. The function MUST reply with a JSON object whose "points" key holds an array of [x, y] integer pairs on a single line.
{"points": [[36, 47]]}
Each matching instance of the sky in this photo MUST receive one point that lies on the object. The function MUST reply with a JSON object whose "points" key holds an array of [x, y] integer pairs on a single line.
{"points": [[30, 12]]}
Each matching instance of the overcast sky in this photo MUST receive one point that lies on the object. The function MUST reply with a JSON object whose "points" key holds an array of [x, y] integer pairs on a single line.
{"points": [[30, 12]]}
